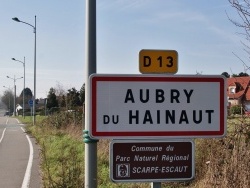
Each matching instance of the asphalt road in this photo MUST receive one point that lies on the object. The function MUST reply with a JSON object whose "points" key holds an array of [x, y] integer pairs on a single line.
{"points": [[19, 155]]}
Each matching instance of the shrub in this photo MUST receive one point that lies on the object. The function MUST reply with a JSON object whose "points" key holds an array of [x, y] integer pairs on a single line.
{"points": [[235, 109]]}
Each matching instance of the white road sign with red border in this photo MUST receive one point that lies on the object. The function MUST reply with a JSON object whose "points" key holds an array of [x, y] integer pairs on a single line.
{"points": [[157, 106]]}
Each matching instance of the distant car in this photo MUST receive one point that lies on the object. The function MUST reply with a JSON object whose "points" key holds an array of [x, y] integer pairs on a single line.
{"points": [[6, 113]]}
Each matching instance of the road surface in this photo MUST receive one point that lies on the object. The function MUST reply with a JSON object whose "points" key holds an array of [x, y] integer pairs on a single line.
{"points": [[19, 155]]}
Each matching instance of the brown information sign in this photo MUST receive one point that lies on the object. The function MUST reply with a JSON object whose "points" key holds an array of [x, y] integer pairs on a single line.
{"points": [[151, 160]]}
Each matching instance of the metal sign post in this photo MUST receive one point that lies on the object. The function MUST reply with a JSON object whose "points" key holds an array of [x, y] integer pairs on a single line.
{"points": [[30, 102], [90, 65]]}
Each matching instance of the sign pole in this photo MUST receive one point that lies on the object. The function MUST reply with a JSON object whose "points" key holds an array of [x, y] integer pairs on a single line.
{"points": [[90, 67], [156, 185]]}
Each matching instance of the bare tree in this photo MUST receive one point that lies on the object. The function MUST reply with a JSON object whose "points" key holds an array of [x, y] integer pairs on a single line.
{"points": [[198, 73], [60, 93], [59, 89], [243, 9]]}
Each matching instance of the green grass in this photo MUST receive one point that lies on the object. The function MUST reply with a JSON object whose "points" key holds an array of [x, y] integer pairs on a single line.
{"points": [[62, 157], [29, 119]]}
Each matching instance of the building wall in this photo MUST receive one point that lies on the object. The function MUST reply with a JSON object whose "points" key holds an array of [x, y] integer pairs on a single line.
{"points": [[234, 102]]}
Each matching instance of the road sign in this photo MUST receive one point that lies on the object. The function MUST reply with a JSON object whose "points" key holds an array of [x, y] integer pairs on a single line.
{"points": [[143, 106], [152, 160], [30, 103], [158, 61]]}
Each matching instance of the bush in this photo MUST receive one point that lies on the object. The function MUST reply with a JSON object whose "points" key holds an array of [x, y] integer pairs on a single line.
{"points": [[235, 109], [224, 162]]}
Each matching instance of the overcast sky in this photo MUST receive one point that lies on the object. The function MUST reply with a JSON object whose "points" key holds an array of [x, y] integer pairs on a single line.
{"points": [[198, 30]]}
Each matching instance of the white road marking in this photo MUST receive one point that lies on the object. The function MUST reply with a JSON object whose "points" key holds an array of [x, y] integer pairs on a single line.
{"points": [[2, 135], [17, 120], [3, 132], [26, 179]]}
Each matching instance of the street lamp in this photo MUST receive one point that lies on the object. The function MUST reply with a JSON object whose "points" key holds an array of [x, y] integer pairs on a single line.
{"points": [[34, 101], [9, 98], [14, 91], [23, 80]]}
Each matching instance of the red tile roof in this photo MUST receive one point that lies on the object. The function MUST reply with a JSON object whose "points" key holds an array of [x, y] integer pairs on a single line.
{"points": [[242, 87]]}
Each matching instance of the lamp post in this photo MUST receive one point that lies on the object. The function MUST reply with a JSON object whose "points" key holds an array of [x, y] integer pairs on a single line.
{"points": [[9, 98], [14, 91], [23, 62], [34, 100]]}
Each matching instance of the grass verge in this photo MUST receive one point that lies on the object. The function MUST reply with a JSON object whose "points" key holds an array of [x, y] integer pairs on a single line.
{"points": [[219, 162]]}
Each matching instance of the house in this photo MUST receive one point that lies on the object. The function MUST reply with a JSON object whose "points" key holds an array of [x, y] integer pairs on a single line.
{"points": [[238, 91], [18, 107]]}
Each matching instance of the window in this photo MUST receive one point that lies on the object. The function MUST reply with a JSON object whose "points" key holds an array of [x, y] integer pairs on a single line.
{"points": [[232, 90]]}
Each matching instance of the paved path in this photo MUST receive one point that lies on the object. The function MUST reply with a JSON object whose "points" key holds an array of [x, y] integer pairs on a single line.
{"points": [[19, 156]]}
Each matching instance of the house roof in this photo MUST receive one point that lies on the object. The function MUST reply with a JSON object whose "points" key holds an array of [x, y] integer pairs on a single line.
{"points": [[242, 87]]}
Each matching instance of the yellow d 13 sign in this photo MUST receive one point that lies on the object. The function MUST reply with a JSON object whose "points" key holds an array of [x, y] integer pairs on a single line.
{"points": [[158, 61]]}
